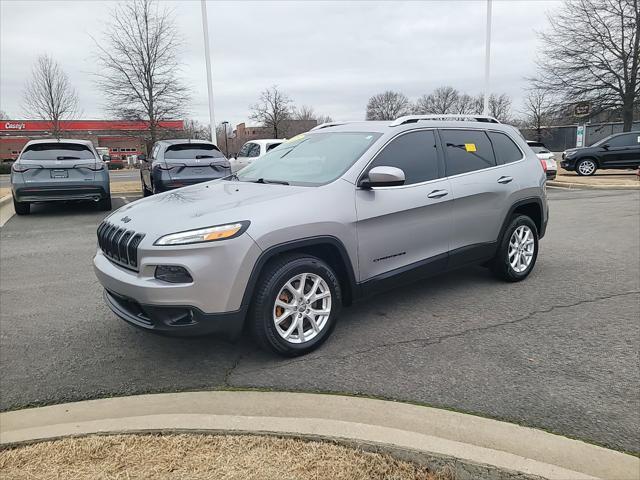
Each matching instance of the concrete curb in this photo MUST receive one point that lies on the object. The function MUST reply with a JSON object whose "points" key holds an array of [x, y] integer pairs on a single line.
{"points": [[581, 186], [476, 447], [5, 199]]}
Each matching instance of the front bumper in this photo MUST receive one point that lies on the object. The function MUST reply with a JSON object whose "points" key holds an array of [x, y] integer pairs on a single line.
{"points": [[175, 320], [568, 163]]}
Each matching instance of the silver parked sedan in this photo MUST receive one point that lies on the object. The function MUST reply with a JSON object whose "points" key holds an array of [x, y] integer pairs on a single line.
{"points": [[59, 170]]}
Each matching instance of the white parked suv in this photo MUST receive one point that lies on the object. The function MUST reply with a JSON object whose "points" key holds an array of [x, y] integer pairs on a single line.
{"points": [[251, 151]]}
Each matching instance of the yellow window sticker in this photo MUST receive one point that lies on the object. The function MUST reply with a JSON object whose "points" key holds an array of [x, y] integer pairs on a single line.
{"points": [[470, 147]]}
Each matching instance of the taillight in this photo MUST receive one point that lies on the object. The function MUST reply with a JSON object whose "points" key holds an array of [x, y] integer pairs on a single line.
{"points": [[166, 167], [18, 169], [96, 168], [544, 165]]}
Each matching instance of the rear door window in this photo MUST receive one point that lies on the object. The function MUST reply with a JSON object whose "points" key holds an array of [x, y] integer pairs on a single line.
{"points": [[506, 150], [467, 151], [415, 153], [187, 151], [244, 150], [57, 151], [628, 140]]}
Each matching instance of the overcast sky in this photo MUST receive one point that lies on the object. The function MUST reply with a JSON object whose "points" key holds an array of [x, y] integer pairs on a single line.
{"points": [[329, 55]]}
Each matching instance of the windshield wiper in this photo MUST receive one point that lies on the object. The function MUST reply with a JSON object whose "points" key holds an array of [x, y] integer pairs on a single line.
{"points": [[204, 156], [278, 182], [67, 158]]}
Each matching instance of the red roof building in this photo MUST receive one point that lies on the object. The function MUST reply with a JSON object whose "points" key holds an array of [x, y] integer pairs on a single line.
{"points": [[123, 138]]}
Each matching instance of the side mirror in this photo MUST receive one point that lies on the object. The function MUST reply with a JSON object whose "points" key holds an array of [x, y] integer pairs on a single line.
{"points": [[142, 157], [106, 158], [383, 177], [605, 146], [235, 156]]}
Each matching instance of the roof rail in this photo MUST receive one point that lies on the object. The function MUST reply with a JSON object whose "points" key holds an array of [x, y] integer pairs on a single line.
{"points": [[453, 117], [327, 125]]}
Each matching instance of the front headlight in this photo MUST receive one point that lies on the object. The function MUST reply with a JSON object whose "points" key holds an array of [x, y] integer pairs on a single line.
{"points": [[207, 234]]}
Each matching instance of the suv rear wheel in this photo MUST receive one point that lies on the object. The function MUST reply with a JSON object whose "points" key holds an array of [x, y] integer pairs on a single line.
{"points": [[21, 208], [296, 305], [105, 204], [518, 250]]}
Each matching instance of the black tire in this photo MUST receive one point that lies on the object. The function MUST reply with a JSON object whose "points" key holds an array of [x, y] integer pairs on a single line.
{"points": [[501, 265], [586, 161], [105, 204], [21, 208], [274, 276]]}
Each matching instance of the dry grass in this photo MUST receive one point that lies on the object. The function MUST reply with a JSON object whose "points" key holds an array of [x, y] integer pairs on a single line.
{"points": [[122, 187], [196, 457], [4, 191]]}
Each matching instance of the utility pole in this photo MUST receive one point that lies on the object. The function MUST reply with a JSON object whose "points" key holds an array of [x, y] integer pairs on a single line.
{"points": [[226, 145], [207, 54], [487, 61]]}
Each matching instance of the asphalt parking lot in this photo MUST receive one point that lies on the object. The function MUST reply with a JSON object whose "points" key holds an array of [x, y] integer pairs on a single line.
{"points": [[559, 351]]}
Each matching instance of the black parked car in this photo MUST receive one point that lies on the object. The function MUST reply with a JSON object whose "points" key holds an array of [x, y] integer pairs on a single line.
{"points": [[621, 151]]}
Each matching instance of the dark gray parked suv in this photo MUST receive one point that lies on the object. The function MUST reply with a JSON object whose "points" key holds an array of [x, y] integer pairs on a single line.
{"points": [[178, 163], [330, 216]]}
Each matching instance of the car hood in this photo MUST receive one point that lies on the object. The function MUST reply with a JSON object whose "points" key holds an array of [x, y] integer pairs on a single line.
{"points": [[202, 205]]}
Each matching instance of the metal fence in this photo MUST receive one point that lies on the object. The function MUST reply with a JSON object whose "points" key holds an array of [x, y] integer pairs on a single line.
{"points": [[558, 139]]}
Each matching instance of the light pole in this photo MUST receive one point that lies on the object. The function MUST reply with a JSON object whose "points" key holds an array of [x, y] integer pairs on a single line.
{"points": [[207, 54], [226, 146], [487, 61]]}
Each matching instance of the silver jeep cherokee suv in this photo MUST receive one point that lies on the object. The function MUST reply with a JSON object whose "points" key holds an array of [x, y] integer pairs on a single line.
{"points": [[330, 216]]}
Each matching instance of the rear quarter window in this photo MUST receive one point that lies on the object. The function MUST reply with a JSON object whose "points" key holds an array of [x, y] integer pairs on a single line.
{"points": [[466, 151], [506, 150]]}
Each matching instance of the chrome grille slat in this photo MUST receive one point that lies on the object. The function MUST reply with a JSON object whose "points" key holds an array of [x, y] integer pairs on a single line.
{"points": [[119, 245]]}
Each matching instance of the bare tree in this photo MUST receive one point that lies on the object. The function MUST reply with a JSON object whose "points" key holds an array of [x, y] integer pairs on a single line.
{"points": [[592, 53], [388, 105], [538, 110], [500, 107], [308, 113], [465, 104], [442, 100], [324, 119], [196, 130], [273, 111], [49, 95], [304, 113], [139, 65]]}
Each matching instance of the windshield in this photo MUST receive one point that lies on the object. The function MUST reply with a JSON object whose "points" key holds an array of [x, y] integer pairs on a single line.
{"points": [[186, 151], [57, 151], [310, 159]]}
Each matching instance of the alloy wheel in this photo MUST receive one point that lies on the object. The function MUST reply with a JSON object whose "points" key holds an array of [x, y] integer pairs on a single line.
{"points": [[521, 248], [302, 308], [587, 167]]}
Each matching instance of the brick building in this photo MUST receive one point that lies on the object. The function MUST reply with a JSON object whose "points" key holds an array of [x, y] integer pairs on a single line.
{"points": [[124, 139]]}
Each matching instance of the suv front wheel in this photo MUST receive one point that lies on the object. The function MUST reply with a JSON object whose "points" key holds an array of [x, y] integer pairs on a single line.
{"points": [[517, 251], [586, 167], [296, 304]]}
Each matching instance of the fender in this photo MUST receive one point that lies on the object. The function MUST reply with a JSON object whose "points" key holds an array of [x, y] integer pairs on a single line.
{"points": [[520, 203], [302, 244]]}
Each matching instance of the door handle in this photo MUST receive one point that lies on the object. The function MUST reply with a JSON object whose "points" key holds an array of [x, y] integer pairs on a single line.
{"points": [[505, 180], [438, 194]]}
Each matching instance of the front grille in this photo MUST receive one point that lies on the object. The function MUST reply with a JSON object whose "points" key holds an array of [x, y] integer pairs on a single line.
{"points": [[119, 244]]}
